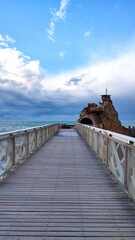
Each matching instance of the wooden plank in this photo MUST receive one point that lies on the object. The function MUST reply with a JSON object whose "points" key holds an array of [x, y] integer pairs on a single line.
{"points": [[64, 192]]}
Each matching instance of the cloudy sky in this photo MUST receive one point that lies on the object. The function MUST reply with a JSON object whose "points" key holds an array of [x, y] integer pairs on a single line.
{"points": [[58, 55]]}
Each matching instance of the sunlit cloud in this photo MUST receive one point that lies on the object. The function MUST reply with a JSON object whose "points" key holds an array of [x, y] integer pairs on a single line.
{"points": [[17, 67], [115, 74], [8, 39], [5, 40], [61, 13], [56, 16]]}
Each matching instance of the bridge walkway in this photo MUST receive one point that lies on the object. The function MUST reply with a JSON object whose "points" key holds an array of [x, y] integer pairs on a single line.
{"points": [[64, 192]]}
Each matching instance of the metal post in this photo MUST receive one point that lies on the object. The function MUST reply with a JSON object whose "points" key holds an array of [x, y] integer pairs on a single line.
{"points": [[41, 136], [98, 143], [35, 139], [27, 142], [12, 138], [126, 167], [107, 151]]}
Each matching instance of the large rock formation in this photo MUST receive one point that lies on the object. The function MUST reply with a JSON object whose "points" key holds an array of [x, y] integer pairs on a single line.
{"points": [[103, 116]]}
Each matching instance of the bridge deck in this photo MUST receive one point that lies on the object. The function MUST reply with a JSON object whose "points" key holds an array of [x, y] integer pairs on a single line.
{"points": [[64, 192]]}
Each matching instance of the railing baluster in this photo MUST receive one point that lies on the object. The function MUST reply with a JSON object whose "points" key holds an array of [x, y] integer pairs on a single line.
{"points": [[115, 153], [17, 145]]}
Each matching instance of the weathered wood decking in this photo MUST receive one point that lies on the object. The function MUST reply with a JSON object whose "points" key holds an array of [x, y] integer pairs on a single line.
{"points": [[63, 191]]}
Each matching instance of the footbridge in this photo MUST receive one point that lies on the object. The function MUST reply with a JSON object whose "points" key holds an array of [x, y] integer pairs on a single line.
{"points": [[75, 184]]}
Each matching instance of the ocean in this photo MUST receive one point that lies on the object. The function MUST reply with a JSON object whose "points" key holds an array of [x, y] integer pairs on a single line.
{"points": [[8, 126]]}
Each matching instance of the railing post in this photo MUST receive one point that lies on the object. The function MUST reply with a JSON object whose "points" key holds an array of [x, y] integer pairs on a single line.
{"points": [[35, 138], [92, 139], [44, 134], [98, 143], [107, 151], [12, 138], [126, 167], [41, 135], [27, 142]]}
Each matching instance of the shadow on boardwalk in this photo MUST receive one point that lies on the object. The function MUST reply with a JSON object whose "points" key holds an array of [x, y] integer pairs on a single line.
{"points": [[64, 192]]}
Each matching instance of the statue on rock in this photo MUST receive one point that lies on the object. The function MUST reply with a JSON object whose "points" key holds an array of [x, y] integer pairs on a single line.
{"points": [[103, 116]]}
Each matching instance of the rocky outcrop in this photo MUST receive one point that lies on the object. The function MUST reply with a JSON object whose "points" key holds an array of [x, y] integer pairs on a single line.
{"points": [[103, 116]]}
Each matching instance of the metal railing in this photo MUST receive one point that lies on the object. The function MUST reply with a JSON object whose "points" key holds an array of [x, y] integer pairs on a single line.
{"points": [[116, 151], [16, 146]]}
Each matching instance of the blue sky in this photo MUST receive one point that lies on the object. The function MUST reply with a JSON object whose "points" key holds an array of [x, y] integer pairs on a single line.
{"points": [[58, 55]]}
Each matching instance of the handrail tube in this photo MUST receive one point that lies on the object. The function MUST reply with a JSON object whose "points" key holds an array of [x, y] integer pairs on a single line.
{"points": [[121, 137], [25, 129]]}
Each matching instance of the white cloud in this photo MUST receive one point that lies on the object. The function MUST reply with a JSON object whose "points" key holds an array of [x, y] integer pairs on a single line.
{"points": [[17, 67], [3, 44], [8, 39], [87, 34], [2, 39], [5, 40], [56, 16], [61, 13], [62, 54], [117, 75], [50, 31]]}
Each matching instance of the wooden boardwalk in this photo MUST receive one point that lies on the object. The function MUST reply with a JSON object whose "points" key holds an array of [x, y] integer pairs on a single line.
{"points": [[64, 192]]}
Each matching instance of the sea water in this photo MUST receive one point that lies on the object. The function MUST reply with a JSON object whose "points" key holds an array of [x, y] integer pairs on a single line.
{"points": [[8, 126]]}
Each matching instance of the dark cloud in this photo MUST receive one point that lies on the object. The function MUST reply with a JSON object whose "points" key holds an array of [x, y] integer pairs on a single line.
{"points": [[76, 80], [18, 101], [125, 107], [11, 84], [29, 104], [73, 81]]}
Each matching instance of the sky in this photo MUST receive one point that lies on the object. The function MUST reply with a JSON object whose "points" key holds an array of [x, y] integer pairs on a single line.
{"points": [[56, 56]]}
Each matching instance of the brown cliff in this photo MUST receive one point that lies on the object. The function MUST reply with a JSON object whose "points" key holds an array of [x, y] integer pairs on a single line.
{"points": [[103, 116]]}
